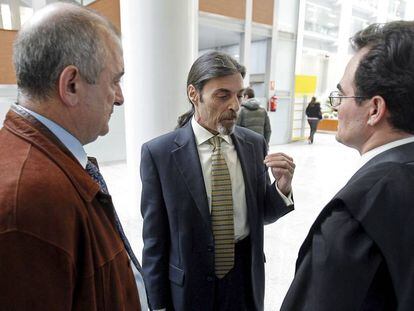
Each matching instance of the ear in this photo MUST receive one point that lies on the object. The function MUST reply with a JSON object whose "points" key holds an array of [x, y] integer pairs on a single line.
{"points": [[377, 110], [69, 85], [193, 95]]}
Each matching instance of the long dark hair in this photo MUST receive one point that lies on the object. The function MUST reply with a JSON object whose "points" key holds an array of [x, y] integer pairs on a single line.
{"points": [[209, 66]]}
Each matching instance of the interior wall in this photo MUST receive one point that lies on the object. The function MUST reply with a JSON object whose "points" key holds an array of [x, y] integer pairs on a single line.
{"points": [[109, 148], [263, 11], [7, 75], [112, 146], [109, 9], [230, 8]]}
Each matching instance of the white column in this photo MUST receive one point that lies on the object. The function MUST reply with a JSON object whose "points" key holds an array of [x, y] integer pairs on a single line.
{"points": [[409, 10], [246, 41], [38, 4], [15, 14], [282, 67], [344, 30], [299, 36], [1, 19], [338, 61], [271, 67], [158, 40], [193, 22], [382, 11]]}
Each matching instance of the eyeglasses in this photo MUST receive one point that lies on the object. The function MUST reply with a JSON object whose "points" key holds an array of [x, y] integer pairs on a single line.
{"points": [[335, 98]]}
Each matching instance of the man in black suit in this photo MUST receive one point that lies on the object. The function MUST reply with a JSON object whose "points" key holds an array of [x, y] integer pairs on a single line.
{"points": [[206, 196], [359, 252]]}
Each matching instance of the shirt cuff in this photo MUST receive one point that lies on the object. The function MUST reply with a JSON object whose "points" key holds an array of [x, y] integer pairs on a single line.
{"points": [[287, 199]]}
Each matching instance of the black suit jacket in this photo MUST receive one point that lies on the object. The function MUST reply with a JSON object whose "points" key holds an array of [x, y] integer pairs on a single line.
{"points": [[359, 252], [178, 255]]}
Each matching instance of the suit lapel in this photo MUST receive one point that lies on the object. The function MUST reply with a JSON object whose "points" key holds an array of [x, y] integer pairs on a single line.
{"points": [[188, 163], [246, 155]]}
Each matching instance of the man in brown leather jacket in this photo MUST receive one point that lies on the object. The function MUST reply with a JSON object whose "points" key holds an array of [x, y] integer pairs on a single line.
{"points": [[61, 244]]}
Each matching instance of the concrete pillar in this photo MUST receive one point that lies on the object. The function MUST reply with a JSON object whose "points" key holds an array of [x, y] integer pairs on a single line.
{"points": [[299, 36], [159, 42], [282, 67], [272, 52], [15, 14], [344, 29], [338, 61], [246, 41], [38, 4], [409, 10], [382, 11], [1, 19]]}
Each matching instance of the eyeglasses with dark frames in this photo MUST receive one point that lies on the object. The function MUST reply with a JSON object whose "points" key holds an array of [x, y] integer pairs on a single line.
{"points": [[335, 98]]}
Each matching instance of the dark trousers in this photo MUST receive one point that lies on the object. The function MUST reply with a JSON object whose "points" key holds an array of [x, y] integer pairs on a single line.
{"points": [[313, 127], [234, 291]]}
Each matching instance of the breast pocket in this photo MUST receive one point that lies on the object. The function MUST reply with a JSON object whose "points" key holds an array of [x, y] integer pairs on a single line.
{"points": [[176, 275]]}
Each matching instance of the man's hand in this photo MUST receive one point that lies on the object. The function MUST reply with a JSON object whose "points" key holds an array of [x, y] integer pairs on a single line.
{"points": [[282, 169]]}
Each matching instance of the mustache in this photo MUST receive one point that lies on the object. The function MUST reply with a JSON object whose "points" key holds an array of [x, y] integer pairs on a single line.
{"points": [[229, 115]]}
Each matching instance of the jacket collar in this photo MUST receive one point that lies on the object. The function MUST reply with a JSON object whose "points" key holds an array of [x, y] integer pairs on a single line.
{"points": [[188, 163], [22, 124], [400, 154]]}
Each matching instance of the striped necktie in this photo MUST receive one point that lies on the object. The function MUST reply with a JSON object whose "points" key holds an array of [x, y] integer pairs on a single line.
{"points": [[221, 211], [96, 175]]}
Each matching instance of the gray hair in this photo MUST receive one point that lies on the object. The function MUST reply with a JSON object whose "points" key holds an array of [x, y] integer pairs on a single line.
{"points": [[70, 35]]}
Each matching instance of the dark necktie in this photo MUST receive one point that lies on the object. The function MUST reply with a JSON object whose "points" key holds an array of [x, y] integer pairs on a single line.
{"points": [[93, 171]]}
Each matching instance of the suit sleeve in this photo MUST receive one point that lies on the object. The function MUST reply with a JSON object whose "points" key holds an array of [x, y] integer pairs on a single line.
{"points": [[156, 236], [34, 275], [274, 205]]}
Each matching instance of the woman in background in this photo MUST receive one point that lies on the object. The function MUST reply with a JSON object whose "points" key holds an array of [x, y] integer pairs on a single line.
{"points": [[314, 114]]}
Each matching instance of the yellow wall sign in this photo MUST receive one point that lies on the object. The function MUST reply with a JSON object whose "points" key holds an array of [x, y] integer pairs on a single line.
{"points": [[305, 84]]}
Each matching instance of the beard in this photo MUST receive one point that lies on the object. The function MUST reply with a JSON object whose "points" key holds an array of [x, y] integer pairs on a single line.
{"points": [[226, 130], [227, 123]]}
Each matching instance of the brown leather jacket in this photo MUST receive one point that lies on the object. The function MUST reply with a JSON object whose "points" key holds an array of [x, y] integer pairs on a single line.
{"points": [[59, 247]]}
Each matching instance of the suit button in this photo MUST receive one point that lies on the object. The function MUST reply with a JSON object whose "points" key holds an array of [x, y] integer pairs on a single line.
{"points": [[210, 248], [210, 278]]}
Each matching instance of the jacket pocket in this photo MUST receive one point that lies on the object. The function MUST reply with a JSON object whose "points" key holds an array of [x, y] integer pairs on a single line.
{"points": [[176, 275]]}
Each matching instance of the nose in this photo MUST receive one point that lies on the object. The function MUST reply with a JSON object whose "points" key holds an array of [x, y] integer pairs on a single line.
{"points": [[235, 103], [119, 97]]}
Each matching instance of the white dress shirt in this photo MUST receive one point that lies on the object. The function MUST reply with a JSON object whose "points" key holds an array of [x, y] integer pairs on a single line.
{"points": [[205, 150], [76, 148]]}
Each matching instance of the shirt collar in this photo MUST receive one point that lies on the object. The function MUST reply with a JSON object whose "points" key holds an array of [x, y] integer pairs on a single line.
{"points": [[376, 151], [67, 139], [202, 135]]}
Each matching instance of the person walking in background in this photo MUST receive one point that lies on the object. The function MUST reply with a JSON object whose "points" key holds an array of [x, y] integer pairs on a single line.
{"points": [[314, 115], [254, 117], [206, 196], [358, 254], [61, 244]]}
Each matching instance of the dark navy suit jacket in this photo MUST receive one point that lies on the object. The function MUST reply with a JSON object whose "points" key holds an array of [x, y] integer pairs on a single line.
{"points": [[178, 255], [359, 253]]}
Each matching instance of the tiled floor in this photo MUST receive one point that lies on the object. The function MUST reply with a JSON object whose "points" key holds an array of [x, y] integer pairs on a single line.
{"points": [[321, 170]]}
